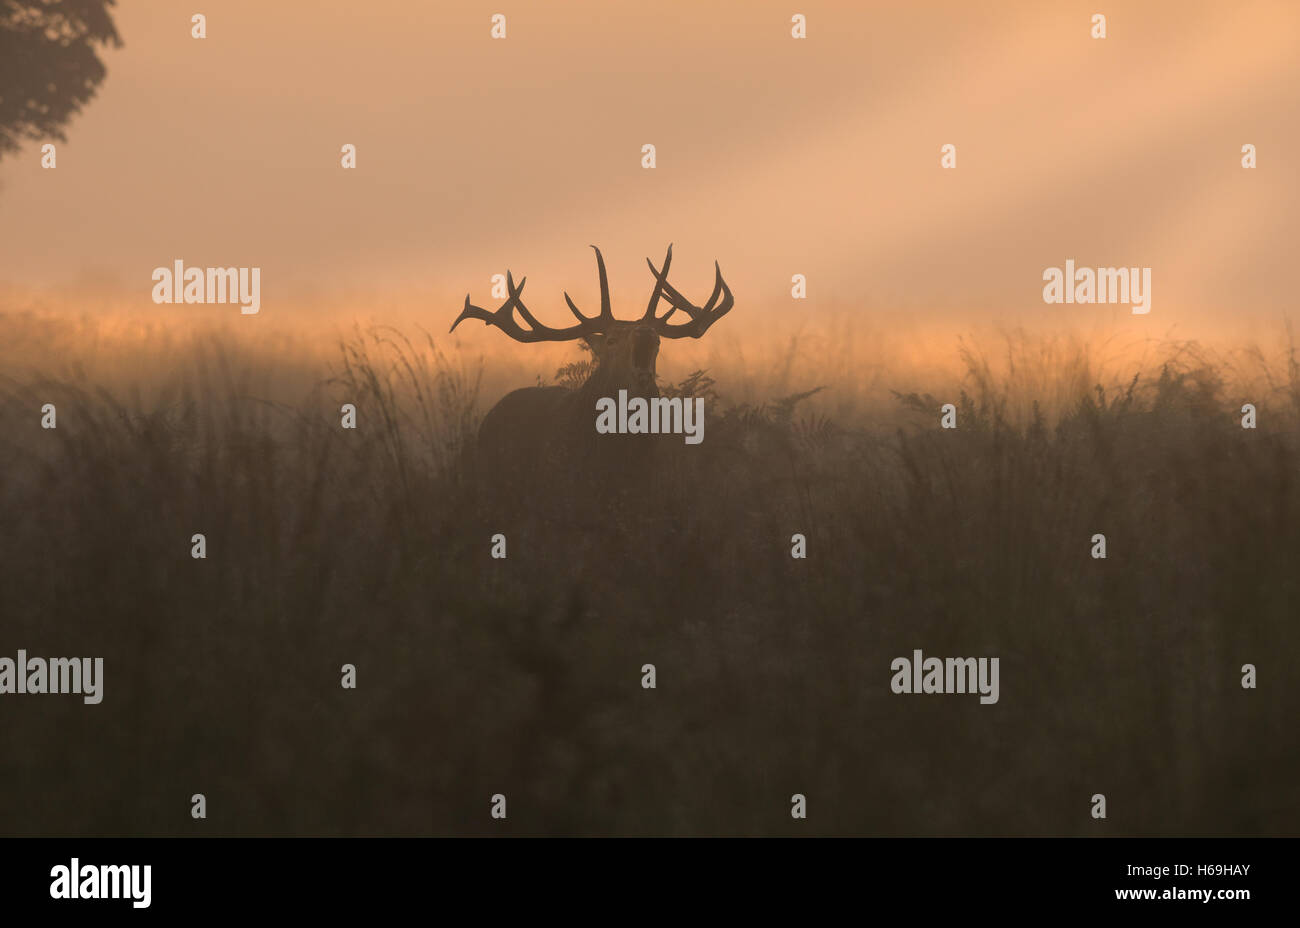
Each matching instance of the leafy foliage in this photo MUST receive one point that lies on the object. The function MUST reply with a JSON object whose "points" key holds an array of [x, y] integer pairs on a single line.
{"points": [[49, 64]]}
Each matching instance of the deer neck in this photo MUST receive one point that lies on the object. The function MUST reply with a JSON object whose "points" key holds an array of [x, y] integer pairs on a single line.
{"points": [[607, 383]]}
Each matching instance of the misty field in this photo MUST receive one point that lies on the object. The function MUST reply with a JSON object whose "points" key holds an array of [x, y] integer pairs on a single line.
{"points": [[522, 676]]}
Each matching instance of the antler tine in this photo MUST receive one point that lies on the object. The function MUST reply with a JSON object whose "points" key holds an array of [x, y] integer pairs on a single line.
{"points": [[702, 317], [504, 319], [719, 287], [606, 313], [471, 312], [576, 311], [517, 303], [653, 306]]}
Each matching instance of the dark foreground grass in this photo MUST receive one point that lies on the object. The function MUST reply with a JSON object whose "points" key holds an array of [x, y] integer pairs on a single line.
{"points": [[523, 676]]}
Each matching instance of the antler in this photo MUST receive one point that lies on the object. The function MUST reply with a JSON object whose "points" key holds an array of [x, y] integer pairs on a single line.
{"points": [[701, 316], [504, 317]]}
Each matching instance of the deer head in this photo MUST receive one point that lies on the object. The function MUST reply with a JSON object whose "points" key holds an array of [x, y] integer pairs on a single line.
{"points": [[625, 351]]}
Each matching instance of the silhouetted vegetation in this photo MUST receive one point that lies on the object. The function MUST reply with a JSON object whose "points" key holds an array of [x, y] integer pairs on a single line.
{"points": [[49, 65], [522, 676]]}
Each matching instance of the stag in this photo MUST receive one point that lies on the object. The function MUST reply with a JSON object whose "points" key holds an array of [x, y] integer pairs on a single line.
{"points": [[539, 425]]}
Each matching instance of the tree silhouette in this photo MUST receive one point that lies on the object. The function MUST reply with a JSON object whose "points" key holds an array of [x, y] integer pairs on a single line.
{"points": [[49, 65]]}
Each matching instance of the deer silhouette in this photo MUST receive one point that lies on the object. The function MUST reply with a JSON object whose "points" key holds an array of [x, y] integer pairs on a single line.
{"points": [[541, 425]]}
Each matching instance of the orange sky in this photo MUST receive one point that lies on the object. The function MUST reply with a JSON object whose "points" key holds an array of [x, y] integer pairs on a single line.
{"points": [[775, 156]]}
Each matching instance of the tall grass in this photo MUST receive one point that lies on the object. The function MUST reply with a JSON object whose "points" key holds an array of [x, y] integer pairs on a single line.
{"points": [[522, 676]]}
